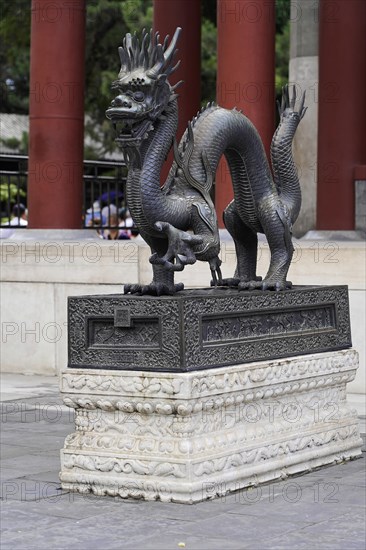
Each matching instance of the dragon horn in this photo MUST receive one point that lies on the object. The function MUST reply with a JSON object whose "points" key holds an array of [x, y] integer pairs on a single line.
{"points": [[176, 85], [302, 101], [170, 50], [166, 40], [125, 64], [144, 56], [164, 59], [293, 99]]}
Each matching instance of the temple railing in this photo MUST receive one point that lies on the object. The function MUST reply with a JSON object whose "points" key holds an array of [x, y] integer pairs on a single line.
{"points": [[104, 191]]}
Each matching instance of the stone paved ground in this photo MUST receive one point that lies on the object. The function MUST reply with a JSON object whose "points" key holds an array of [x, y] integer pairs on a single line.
{"points": [[323, 509]]}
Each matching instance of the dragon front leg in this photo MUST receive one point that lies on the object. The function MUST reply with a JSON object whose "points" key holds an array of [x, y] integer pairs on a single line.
{"points": [[163, 278], [161, 285]]}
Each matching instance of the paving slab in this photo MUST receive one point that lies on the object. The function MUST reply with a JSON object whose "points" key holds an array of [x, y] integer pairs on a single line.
{"points": [[32, 463], [20, 386], [28, 489], [171, 540], [12, 451], [307, 542], [350, 525], [74, 506]]}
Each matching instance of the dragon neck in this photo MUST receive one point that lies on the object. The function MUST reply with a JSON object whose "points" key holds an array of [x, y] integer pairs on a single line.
{"points": [[146, 201]]}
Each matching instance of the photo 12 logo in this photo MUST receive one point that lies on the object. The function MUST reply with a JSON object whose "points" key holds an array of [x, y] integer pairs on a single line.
{"points": [[69, 252], [56, 12]]}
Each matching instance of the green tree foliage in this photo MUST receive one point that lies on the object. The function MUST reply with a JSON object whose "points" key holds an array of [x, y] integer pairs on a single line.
{"points": [[283, 8], [107, 23], [282, 43], [209, 61], [282, 57], [19, 145], [209, 10], [14, 55], [10, 191]]}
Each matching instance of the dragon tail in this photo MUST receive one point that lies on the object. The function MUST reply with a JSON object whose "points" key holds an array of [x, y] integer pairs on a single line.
{"points": [[284, 169]]}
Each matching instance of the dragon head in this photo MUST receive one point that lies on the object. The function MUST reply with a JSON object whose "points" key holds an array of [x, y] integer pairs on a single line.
{"points": [[142, 88]]}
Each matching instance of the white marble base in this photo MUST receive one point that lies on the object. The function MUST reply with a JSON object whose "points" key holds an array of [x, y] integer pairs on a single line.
{"points": [[193, 436]]}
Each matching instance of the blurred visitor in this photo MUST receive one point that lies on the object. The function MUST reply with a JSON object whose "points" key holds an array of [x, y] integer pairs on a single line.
{"points": [[127, 222], [107, 213], [19, 215], [96, 224], [93, 215], [115, 233]]}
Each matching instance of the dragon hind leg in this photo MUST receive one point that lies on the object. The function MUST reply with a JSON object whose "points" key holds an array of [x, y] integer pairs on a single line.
{"points": [[246, 246], [278, 232]]}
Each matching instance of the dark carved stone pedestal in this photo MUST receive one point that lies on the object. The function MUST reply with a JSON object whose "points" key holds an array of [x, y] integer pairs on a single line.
{"points": [[189, 397], [200, 329]]}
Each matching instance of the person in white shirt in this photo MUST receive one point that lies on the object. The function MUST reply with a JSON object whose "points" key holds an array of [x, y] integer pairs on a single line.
{"points": [[20, 215]]}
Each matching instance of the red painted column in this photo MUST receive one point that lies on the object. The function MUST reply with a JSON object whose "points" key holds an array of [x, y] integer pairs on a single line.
{"points": [[56, 110], [168, 15], [342, 110], [245, 72]]}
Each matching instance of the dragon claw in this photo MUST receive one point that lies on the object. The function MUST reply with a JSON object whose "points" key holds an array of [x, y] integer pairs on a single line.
{"points": [[180, 252], [153, 289], [265, 285], [230, 282]]}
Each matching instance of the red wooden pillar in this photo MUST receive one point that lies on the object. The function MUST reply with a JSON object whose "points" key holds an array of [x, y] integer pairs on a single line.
{"points": [[342, 110], [56, 109], [245, 72], [168, 15]]}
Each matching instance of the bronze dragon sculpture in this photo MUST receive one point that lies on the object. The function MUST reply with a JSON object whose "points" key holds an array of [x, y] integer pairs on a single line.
{"points": [[178, 221]]}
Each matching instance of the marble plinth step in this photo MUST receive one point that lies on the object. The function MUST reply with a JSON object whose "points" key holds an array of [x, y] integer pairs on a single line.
{"points": [[191, 436]]}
